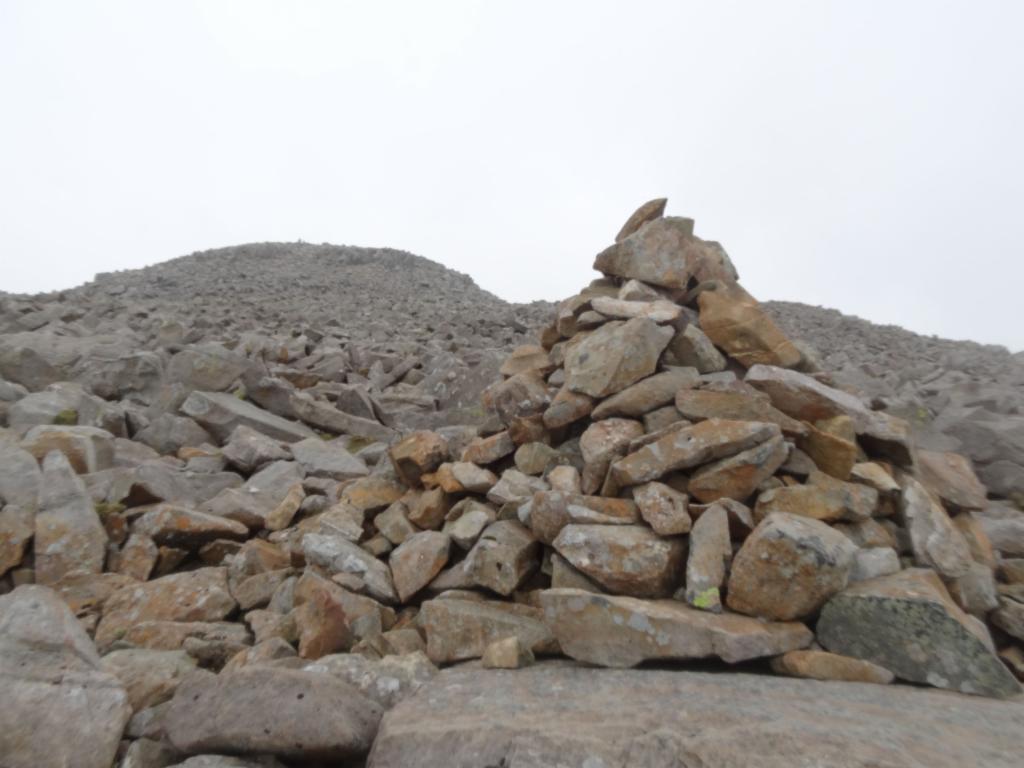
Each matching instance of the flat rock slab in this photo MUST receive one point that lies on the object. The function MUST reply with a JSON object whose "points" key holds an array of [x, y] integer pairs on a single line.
{"points": [[557, 714]]}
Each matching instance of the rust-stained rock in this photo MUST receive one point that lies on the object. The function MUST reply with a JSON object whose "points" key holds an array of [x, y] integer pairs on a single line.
{"points": [[689, 447], [735, 322], [419, 453], [708, 559], [625, 559], [822, 665], [936, 542], [199, 595], [649, 211], [700, 404], [737, 477], [601, 443], [788, 567], [663, 508], [951, 477]]}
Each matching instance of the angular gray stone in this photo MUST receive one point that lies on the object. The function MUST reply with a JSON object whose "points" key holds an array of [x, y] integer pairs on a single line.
{"points": [[58, 707], [936, 542], [459, 629], [220, 414], [321, 459], [69, 537], [286, 712], [339, 555]]}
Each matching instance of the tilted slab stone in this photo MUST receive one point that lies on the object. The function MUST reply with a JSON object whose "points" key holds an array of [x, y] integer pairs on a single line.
{"points": [[690, 447], [649, 211], [805, 398], [936, 542], [564, 714], [908, 624], [700, 404], [613, 631], [648, 394], [220, 414], [951, 477], [737, 477]]}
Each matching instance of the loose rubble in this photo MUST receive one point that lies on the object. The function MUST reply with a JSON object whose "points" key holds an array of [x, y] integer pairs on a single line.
{"points": [[273, 542]]}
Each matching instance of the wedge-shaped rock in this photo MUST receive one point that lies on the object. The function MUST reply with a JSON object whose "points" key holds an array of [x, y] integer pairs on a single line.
{"points": [[173, 526], [822, 665], [691, 347], [690, 447], [387, 681], [936, 542], [525, 394], [149, 677], [602, 442], [625, 559], [465, 477], [551, 511], [908, 624], [648, 394], [267, 710], [615, 356], [649, 211], [221, 413], [622, 631], [735, 322], [951, 477], [69, 536], [338, 555], [654, 253], [58, 707], [200, 595], [708, 559], [737, 477], [457, 630], [788, 567], [805, 398], [417, 561], [700, 404]]}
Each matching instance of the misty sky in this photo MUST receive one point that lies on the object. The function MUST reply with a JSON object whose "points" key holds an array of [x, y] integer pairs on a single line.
{"points": [[867, 156]]}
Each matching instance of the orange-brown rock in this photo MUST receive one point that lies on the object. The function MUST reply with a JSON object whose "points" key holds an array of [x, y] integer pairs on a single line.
{"points": [[419, 453], [734, 321], [737, 477]]}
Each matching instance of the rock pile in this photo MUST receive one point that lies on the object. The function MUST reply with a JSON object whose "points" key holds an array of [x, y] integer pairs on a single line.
{"points": [[666, 476]]}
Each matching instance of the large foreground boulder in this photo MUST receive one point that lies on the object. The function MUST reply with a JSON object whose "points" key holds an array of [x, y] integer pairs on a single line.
{"points": [[556, 714], [58, 707]]}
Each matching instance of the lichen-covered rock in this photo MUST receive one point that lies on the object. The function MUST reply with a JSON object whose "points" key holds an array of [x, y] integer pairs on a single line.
{"points": [[908, 624]]}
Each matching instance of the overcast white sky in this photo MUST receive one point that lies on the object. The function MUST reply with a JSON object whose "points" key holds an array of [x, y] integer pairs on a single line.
{"points": [[867, 156]]}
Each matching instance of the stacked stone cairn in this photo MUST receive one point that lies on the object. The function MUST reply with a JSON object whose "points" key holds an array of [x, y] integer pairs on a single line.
{"points": [[666, 477]]}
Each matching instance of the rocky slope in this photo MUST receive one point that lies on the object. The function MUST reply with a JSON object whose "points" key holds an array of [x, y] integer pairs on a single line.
{"points": [[222, 531]]}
